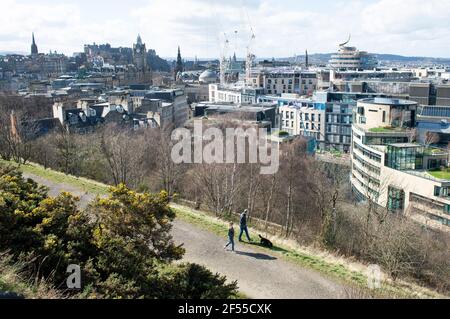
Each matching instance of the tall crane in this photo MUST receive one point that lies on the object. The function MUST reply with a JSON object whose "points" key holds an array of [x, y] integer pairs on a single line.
{"points": [[223, 59], [250, 56]]}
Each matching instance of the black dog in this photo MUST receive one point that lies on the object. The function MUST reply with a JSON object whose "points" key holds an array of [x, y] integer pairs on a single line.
{"points": [[265, 242]]}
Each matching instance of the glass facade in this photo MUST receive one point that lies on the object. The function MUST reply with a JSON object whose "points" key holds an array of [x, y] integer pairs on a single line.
{"points": [[381, 140], [404, 158], [396, 199]]}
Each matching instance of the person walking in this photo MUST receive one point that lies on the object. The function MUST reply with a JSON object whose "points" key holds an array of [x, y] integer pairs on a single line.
{"points": [[243, 225], [230, 237]]}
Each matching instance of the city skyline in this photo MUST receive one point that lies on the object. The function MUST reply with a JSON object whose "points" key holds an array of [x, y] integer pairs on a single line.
{"points": [[380, 26]]}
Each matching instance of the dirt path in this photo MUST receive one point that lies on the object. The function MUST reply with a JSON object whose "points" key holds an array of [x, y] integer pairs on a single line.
{"points": [[259, 275]]}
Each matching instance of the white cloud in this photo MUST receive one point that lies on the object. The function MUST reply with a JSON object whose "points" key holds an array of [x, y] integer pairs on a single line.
{"points": [[412, 27]]}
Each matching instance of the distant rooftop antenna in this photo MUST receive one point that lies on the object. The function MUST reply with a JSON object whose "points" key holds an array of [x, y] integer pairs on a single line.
{"points": [[346, 42]]}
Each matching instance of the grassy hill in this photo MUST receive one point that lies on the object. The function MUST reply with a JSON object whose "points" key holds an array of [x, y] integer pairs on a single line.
{"points": [[346, 271]]}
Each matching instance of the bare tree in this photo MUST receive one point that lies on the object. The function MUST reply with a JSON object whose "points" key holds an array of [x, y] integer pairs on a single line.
{"points": [[168, 172], [431, 138], [124, 152]]}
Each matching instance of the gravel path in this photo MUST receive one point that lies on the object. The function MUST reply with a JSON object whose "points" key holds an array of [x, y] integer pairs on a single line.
{"points": [[259, 275]]}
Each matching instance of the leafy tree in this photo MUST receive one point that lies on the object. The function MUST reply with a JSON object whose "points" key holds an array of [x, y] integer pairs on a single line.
{"points": [[122, 242], [191, 281]]}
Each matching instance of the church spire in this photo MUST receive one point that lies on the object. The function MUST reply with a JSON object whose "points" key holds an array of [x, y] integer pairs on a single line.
{"points": [[306, 59], [179, 64], [34, 49], [139, 40]]}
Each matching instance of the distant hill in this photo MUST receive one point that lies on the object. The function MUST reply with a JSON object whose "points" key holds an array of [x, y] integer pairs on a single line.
{"points": [[157, 63], [12, 52], [323, 58]]}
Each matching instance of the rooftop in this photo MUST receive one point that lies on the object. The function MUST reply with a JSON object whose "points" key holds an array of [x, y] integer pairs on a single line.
{"points": [[388, 101], [435, 111], [441, 174], [388, 129]]}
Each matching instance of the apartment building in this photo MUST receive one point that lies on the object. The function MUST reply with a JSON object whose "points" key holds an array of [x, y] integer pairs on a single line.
{"points": [[338, 121], [306, 119], [233, 94], [283, 80], [403, 177]]}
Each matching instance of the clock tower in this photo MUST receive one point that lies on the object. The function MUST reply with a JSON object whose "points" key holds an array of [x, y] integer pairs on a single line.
{"points": [[143, 71]]}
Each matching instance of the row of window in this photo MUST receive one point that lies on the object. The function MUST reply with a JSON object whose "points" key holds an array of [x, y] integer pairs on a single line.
{"points": [[303, 116], [307, 126], [346, 119], [372, 181], [368, 166], [370, 192], [431, 204], [310, 117], [373, 156], [441, 191], [442, 220], [338, 129], [303, 126]]}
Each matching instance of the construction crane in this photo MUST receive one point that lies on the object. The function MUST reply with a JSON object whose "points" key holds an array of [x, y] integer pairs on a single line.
{"points": [[223, 58], [249, 60], [250, 56]]}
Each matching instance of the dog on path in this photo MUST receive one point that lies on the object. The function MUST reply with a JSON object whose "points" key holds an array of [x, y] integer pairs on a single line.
{"points": [[265, 242]]}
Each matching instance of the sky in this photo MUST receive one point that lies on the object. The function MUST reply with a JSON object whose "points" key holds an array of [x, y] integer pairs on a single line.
{"points": [[282, 28]]}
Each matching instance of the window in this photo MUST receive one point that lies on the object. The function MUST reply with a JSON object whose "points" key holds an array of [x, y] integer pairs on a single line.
{"points": [[396, 199], [437, 191], [447, 209], [403, 158], [440, 191], [384, 116], [313, 117], [307, 126]]}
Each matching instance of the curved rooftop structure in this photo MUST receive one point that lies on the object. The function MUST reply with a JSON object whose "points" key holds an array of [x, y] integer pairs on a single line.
{"points": [[208, 76], [388, 101]]}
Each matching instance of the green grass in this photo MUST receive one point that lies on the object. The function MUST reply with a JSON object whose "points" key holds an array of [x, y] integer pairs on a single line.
{"points": [[339, 272], [12, 279], [440, 174], [207, 221], [382, 130], [84, 184]]}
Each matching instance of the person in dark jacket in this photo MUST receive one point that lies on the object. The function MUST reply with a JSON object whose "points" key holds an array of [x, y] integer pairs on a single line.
{"points": [[230, 237], [243, 225]]}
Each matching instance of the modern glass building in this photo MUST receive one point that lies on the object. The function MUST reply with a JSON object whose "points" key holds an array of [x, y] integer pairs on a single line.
{"points": [[349, 58], [391, 171]]}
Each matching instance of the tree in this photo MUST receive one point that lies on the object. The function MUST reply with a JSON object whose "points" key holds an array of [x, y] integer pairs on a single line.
{"points": [[67, 151], [144, 220], [124, 152], [167, 172], [122, 243], [431, 138]]}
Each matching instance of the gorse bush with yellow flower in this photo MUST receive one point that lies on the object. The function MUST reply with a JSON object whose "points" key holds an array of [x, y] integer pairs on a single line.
{"points": [[122, 242]]}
